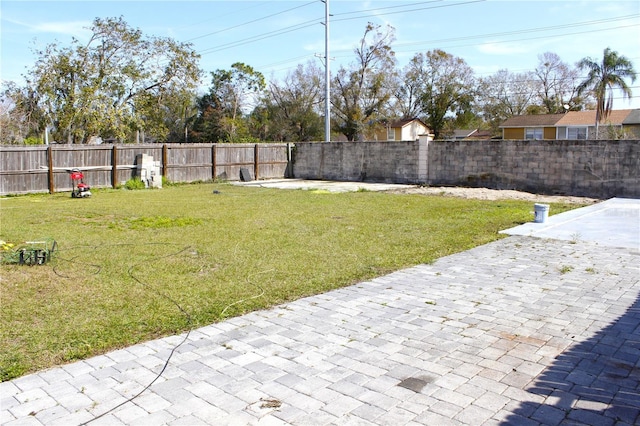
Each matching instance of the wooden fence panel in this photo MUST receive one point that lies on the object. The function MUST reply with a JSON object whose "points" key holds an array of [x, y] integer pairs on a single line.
{"points": [[126, 159], [230, 158], [273, 161], [94, 161], [25, 169], [189, 163]]}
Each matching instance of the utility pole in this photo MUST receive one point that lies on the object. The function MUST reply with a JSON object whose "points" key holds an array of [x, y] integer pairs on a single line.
{"points": [[327, 76]]}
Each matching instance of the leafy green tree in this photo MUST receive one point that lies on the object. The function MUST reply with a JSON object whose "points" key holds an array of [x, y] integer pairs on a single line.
{"points": [[360, 93], [446, 87], [261, 125], [603, 77], [207, 126], [181, 111], [222, 111], [113, 86]]}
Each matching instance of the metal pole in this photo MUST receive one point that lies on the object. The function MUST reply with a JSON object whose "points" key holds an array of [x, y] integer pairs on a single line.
{"points": [[256, 161], [114, 167], [50, 167], [327, 76]]}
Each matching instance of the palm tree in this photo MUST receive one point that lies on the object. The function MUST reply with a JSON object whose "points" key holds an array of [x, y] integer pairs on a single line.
{"points": [[603, 78]]}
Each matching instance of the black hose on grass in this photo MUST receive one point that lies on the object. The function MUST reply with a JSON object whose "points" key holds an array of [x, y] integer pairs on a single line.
{"points": [[130, 273]]}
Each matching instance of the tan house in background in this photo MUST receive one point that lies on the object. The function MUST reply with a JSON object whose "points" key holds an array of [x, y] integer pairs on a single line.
{"points": [[408, 129], [620, 124], [530, 126]]}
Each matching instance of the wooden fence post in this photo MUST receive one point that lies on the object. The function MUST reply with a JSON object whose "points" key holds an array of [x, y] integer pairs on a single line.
{"points": [[114, 167], [50, 167], [165, 167], [213, 162], [256, 163]]}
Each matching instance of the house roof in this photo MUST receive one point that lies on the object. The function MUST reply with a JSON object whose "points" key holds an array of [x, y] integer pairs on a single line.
{"points": [[405, 121], [463, 133], [537, 120], [633, 117], [481, 134], [572, 118], [588, 118]]}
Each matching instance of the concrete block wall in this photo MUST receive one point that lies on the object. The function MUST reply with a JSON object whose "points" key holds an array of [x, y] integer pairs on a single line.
{"points": [[600, 169], [395, 162]]}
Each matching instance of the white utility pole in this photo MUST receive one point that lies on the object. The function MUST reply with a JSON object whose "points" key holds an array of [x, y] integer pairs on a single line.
{"points": [[327, 76]]}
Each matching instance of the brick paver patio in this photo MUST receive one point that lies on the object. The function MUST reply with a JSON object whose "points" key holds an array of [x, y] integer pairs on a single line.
{"points": [[520, 331]]}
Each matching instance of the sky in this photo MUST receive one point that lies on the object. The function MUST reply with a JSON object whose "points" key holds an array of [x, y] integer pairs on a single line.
{"points": [[275, 36]]}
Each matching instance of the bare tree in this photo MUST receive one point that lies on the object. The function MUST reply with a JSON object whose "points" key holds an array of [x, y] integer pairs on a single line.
{"points": [[558, 89], [361, 92], [295, 104], [20, 115], [505, 94]]}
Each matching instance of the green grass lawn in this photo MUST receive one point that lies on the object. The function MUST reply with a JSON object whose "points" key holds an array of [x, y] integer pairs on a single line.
{"points": [[135, 265]]}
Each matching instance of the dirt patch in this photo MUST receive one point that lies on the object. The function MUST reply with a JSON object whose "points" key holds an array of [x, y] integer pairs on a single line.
{"points": [[495, 194]]}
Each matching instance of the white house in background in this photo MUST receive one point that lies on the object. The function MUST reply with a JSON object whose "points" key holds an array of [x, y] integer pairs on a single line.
{"points": [[408, 129]]}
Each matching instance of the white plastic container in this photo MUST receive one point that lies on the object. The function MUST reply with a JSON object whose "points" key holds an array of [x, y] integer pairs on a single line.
{"points": [[540, 212]]}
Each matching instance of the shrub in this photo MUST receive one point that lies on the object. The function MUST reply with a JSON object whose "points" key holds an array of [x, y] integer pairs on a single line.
{"points": [[33, 140], [134, 183]]}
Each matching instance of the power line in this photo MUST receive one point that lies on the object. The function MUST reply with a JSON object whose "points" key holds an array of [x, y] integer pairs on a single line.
{"points": [[542, 37], [518, 92], [524, 31], [361, 14], [531, 38], [286, 61], [507, 33], [312, 22], [388, 7], [407, 10], [526, 70], [527, 30], [261, 37], [252, 7], [251, 22]]}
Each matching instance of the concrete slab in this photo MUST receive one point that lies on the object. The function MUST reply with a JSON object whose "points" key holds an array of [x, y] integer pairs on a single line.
{"points": [[323, 185], [612, 223]]}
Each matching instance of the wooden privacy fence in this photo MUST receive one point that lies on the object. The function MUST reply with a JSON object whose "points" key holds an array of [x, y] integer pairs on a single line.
{"points": [[30, 169]]}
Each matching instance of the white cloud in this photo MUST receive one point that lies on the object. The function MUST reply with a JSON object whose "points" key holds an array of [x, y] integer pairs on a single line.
{"points": [[317, 46], [78, 29], [74, 28]]}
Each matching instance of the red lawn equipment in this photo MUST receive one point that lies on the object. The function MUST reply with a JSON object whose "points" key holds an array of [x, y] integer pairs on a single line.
{"points": [[80, 189]]}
